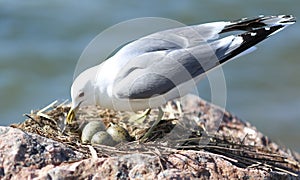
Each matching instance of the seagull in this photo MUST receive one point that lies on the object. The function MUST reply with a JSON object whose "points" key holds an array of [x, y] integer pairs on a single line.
{"points": [[162, 66]]}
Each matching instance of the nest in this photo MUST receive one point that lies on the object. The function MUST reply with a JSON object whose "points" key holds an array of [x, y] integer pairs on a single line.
{"points": [[49, 122]]}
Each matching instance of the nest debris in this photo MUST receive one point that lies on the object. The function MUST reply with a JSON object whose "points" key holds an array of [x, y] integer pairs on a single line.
{"points": [[49, 122]]}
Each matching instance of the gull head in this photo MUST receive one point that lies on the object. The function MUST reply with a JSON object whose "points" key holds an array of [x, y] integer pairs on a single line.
{"points": [[82, 92]]}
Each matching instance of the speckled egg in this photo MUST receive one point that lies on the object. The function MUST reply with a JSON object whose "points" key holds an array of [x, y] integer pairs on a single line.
{"points": [[118, 133], [103, 138], [90, 129]]}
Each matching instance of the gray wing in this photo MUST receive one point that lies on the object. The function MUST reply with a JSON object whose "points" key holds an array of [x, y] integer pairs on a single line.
{"points": [[171, 39], [165, 70], [161, 61]]}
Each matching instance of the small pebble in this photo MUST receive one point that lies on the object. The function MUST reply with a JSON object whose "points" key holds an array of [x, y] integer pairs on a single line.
{"points": [[102, 137], [118, 133], [90, 129]]}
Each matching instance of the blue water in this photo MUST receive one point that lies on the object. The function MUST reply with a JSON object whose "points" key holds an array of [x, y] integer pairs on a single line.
{"points": [[41, 41]]}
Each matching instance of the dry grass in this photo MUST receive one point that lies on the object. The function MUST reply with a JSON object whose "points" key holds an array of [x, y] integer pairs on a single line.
{"points": [[49, 122]]}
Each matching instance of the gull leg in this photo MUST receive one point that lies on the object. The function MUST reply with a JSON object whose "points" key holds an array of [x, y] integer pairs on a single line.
{"points": [[139, 118], [149, 132], [144, 115]]}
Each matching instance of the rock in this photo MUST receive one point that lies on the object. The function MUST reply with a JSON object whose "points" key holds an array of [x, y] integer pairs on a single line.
{"points": [[26, 155]]}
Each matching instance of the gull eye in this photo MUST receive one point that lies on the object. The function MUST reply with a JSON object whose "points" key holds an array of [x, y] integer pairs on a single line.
{"points": [[81, 94]]}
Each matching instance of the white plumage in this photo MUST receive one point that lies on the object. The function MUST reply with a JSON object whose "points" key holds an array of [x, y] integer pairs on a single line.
{"points": [[162, 66]]}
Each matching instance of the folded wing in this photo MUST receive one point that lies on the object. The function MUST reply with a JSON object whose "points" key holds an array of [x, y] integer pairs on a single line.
{"points": [[161, 61]]}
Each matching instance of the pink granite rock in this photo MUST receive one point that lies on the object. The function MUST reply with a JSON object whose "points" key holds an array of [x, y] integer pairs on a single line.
{"points": [[28, 156]]}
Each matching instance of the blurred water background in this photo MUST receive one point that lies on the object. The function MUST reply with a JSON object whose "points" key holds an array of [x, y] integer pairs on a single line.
{"points": [[41, 41]]}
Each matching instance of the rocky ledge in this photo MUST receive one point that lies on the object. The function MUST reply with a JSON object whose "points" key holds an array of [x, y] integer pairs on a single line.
{"points": [[217, 145]]}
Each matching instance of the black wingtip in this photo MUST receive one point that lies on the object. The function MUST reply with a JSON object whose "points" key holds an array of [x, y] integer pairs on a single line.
{"points": [[257, 29], [250, 24], [283, 20]]}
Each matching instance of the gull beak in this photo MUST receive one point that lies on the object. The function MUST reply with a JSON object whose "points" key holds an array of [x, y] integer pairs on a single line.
{"points": [[71, 114]]}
